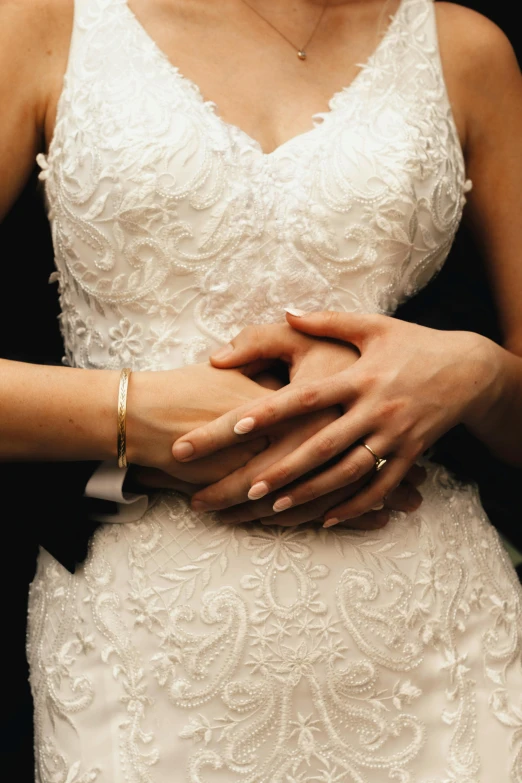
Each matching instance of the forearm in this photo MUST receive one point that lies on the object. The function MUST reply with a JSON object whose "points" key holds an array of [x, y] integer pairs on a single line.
{"points": [[56, 413], [496, 418]]}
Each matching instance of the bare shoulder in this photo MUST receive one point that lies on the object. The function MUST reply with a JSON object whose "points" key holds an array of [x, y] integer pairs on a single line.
{"points": [[34, 45], [473, 43], [480, 67], [35, 18], [34, 29]]}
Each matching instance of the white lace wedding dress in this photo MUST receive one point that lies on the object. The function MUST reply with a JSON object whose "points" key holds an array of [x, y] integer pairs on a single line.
{"points": [[188, 651]]}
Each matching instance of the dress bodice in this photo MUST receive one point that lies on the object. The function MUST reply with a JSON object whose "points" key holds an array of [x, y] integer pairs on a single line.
{"points": [[173, 230]]}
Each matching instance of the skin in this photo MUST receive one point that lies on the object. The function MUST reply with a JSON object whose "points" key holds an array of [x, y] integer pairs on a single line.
{"points": [[209, 41]]}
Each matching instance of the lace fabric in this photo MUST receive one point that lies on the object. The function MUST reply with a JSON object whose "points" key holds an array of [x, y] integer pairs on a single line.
{"points": [[192, 651]]}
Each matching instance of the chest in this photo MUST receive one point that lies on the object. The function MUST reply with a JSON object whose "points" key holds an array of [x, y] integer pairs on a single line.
{"points": [[173, 226], [247, 65]]}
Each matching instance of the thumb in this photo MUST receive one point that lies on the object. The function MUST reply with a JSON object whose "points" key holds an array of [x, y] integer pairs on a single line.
{"points": [[355, 328], [259, 344]]}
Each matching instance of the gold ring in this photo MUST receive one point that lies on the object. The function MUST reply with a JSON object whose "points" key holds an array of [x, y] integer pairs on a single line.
{"points": [[380, 462]]}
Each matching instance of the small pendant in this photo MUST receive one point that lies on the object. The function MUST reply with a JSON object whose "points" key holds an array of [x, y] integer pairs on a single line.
{"points": [[301, 54]]}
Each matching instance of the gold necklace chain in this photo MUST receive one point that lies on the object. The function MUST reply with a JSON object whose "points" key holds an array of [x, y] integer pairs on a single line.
{"points": [[301, 52]]}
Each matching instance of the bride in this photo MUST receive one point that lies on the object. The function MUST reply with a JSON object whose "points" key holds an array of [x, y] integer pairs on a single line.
{"points": [[198, 182]]}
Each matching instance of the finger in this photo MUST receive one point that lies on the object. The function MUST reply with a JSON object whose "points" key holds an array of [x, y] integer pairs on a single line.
{"points": [[352, 467], [307, 512], [230, 491], [233, 488], [145, 479], [298, 399], [268, 341], [403, 498], [354, 328], [206, 440], [326, 444], [258, 509], [416, 475], [373, 520], [247, 512], [372, 494]]}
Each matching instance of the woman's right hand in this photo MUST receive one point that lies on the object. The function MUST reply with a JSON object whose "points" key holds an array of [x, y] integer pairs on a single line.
{"points": [[162, 406]]}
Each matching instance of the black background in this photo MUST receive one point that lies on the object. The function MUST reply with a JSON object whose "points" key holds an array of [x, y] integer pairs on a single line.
{"points": [[458, 298]]}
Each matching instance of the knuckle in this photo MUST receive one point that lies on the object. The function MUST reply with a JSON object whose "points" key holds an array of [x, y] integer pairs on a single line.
{"points": [[380, 323], [351, 470], [307, 493], [308, 397], [242, 338], [367, 380], [331, 318], [281, 476], [267, 414], [391, 408], [325, 447]]}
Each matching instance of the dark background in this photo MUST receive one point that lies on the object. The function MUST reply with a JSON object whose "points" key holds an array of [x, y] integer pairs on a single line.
{"points": [[458, 298]]}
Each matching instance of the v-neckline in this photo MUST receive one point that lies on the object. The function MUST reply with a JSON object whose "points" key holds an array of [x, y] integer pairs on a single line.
{"points": [[213, 107]]}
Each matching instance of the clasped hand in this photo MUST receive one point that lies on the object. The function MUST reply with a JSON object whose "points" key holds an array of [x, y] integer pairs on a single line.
{"points": [[403, 388]]}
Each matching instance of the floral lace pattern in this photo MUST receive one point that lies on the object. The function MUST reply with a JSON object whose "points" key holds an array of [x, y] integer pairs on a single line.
{"points": [[277, 654], [162, 212], [192, 651]]}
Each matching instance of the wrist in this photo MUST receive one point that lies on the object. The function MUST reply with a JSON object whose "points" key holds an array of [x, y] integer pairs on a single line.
{"points": [[489, 381], [100, 392], [156, 407]]}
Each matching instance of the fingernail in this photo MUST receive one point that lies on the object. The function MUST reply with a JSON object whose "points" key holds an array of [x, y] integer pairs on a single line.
{"points": [[198, 505], [282, 504], [258, 490], [244, 425], [331, 522], [378, 507], [295, 311], [225, 351], [183, 450]]}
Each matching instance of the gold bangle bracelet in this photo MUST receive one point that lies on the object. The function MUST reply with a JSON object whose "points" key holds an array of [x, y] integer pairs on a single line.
{"points": [[122, 417]]}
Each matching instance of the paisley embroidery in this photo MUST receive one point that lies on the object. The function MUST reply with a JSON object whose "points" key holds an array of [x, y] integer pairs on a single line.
{"points": [[259, 654]]}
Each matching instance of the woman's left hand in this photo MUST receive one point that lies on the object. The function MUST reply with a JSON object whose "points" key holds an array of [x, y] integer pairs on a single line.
{"points": [[410, 385]]}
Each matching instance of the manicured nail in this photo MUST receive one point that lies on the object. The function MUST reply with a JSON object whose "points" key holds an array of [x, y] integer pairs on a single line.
{"points": [[183, 450], [244, 425], [295, 311], [378, 507], [331, 522], [282, 504], [225, 351], [258, 490], [198, 505]]}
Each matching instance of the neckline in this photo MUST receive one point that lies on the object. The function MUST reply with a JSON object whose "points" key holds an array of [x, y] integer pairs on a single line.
{"points": [[213, 109]]}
